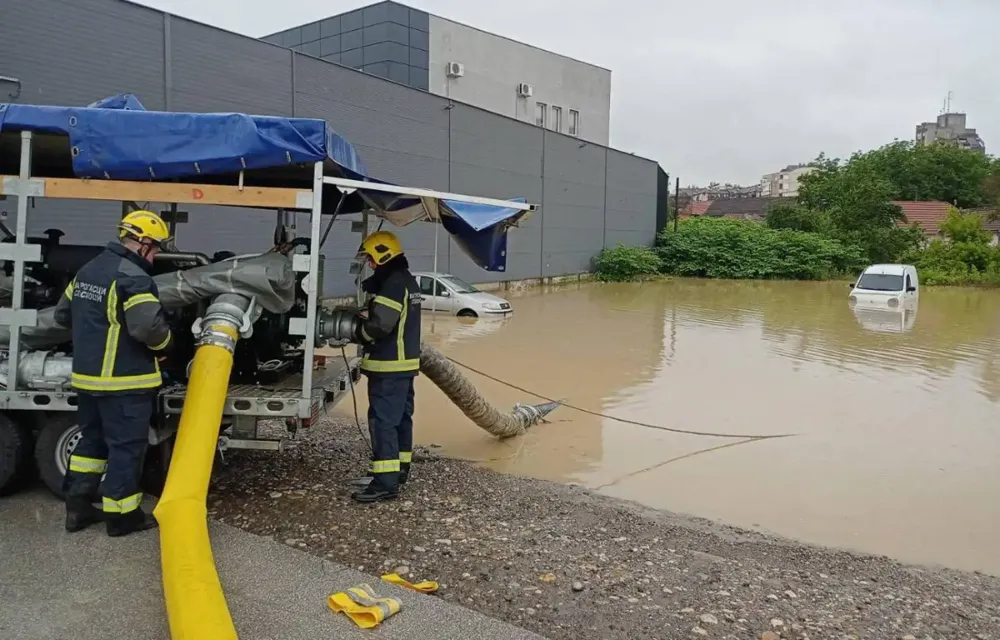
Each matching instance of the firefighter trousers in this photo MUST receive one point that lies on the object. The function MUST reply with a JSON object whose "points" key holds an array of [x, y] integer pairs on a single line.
{"points": [[115, 435], [390, 424]]}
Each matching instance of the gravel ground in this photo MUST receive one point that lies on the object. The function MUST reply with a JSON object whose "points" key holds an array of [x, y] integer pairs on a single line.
{"points": [[567, 563]]}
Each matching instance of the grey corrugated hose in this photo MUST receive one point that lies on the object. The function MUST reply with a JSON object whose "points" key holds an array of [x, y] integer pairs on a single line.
{"points": [[445, 374]]}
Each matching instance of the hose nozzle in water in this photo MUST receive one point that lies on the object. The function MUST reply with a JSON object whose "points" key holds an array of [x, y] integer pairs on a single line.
{"points": [[443, 372], [341, 324]]}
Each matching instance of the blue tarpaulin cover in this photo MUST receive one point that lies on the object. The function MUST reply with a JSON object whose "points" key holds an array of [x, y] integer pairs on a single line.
{"points": [[118, 139]]}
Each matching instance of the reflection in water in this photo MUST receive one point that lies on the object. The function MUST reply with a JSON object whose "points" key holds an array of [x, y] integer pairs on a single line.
{"points": [[896, 414], [884, 320]]}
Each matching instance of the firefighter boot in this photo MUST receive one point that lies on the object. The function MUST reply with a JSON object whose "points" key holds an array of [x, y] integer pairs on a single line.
{"points": [[374, 494], [81, 493], [384, 486], [122, 524], [364, 481], [80, 513]]}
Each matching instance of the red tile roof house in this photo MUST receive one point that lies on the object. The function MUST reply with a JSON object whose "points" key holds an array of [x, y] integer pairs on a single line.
{"points": [[695, 208], [991, 218], [929, 216]]}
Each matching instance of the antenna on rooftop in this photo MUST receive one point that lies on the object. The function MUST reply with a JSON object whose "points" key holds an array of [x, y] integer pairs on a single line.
{"points": [[947, 103]]}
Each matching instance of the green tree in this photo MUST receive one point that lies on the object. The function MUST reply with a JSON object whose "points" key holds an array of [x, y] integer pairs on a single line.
{"points": [[740, 249], [626, 264], [964, 257], [964, 227], [857, 196], [991, 188], [796, 217], [936, 171]]}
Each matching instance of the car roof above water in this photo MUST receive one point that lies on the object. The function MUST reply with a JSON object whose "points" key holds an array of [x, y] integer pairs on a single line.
{"points": [[888, 269]]}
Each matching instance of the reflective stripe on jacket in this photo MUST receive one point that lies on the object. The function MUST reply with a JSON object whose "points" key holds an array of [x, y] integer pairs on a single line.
{"points": [[391, 332], [118, 324]]}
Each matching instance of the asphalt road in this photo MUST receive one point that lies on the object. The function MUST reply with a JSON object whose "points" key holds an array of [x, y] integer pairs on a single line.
{"points": [[86, 586]]}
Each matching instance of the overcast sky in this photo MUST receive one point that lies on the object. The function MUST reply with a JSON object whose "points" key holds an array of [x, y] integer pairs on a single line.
{"points": [[728, 90]]}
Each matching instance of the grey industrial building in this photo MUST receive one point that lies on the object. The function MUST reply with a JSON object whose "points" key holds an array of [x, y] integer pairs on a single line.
{"points": [[457, 61], [73, 52]]}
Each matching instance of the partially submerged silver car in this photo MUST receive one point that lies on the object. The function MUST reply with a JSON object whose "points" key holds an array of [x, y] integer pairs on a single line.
{"points": [[446, 293]]}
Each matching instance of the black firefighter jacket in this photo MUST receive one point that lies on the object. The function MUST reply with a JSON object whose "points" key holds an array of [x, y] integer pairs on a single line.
{"points": [[391, 332], [118, 324]]}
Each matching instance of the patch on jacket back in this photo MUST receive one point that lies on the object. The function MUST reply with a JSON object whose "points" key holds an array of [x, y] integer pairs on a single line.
{"points": [[87, 291]]}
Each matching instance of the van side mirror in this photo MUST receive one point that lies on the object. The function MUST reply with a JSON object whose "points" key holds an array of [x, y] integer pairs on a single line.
{"points": [[911, 289], [850, 285], [445, 293]]}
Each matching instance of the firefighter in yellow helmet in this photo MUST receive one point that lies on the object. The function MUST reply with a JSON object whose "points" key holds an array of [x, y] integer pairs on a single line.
{"points": [[390, 335], [119, 331]]}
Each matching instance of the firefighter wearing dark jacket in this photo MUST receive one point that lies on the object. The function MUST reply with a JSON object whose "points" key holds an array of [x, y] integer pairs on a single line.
{"points": [[119, 333], [390, 335]]}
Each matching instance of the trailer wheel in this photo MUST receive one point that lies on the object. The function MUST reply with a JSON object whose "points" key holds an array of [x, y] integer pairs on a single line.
{"points": [[154, 469], [15, 454], [57, 439]]}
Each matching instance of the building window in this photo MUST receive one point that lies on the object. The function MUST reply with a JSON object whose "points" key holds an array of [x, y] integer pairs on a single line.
{"points": [[540, 114], [574, 122], [557, 119]]}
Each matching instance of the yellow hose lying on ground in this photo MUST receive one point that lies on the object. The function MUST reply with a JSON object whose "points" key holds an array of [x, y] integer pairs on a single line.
{"points": [[196, 605]]}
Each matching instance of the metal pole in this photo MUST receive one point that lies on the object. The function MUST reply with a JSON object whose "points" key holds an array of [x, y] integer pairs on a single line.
{"points": [[434, 285], [313, 292], [173, 220], [667, 205], [333, 219], [677, 202], [363, 268], [17, 295]]}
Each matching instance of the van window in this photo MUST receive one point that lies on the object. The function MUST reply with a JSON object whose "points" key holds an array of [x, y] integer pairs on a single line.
{"points": [[907, 281], [881, 282]]}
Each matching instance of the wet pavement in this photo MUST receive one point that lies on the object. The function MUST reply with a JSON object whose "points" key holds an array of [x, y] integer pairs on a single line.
{"points": [[895, 412], [88, 586]]}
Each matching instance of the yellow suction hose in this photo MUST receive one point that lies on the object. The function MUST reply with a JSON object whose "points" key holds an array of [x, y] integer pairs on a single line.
{"points": [[196, 605]]}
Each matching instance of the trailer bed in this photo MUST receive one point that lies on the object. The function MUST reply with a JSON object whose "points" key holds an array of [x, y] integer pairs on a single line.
{"points": [[280, 400]]}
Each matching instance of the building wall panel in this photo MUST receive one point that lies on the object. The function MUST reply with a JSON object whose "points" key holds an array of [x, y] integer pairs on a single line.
{"points": [[631, 196], [250, 76], [573, 204], [403, 135]]}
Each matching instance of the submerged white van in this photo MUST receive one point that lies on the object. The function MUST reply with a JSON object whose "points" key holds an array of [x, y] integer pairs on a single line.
{"points": [[884, 286]]}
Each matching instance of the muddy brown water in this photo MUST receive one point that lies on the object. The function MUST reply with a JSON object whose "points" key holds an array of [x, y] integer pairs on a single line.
{"points": [[897, 449]]}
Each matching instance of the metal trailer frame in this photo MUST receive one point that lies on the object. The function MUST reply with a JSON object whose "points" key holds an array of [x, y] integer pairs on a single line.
{"points": [[244, 403]]}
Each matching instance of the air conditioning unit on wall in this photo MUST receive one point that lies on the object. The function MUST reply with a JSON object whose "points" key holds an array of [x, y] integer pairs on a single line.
{"points": [[525, 90], [455, 69]]}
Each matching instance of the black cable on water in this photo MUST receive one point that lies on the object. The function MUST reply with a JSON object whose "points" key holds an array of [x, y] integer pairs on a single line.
{"points": [[624, 420]]}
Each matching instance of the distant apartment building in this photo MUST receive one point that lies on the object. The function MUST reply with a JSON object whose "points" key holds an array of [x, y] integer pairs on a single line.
{"points": [[466, 64], [784, 183], [950, 127], [716, 191]]}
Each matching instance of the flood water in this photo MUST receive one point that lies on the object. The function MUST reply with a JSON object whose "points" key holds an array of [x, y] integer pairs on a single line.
{"points": [[897, 445]]}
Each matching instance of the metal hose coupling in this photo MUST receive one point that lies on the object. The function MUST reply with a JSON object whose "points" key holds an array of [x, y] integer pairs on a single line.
{"points": [[340, 324], [229, 318]]}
